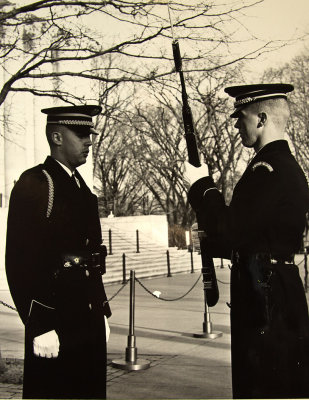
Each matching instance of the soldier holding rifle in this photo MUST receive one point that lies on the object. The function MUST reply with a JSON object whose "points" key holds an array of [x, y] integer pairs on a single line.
{"points": [[55, 262], [260, 231]]}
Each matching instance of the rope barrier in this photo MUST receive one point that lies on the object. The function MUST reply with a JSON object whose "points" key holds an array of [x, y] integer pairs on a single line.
{"points": [[7, 305], [179, 255], [119, 290], [110, 299], [300, 263], [146, 289], [118, 233], [133, 231], [164, 299], [160, 258], [224, 283], [126, 240]]}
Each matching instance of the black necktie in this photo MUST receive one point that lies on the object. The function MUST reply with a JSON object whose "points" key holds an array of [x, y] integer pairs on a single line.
{"points": [[74, 181]]}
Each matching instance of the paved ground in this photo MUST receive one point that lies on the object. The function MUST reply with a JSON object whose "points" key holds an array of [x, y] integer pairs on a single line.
{"points": [[181, 366]]}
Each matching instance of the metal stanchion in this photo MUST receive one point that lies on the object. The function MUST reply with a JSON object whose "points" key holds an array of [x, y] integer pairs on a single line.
{"points": [[131, 362], [137, 241], [207, 325], [168, 264], [191, 257], [124, 274], [110, 241]]}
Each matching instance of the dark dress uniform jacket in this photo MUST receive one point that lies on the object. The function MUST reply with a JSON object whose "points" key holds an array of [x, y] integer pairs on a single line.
{"points": [[269, 316], [49, 296]]}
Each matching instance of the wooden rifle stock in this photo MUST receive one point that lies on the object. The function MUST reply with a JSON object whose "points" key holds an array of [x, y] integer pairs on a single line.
{"points": [[208, 269]]}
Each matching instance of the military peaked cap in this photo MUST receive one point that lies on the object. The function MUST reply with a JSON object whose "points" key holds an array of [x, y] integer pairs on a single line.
{"points": [[247, 94], [77, 117]]}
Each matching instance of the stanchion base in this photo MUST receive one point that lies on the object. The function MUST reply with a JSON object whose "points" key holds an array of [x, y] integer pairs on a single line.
{"points": [[208, 335], [138, 365]]}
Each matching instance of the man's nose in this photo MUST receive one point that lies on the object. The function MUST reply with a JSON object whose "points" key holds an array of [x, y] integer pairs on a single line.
{"points": [[88, 141], [237, 124]]}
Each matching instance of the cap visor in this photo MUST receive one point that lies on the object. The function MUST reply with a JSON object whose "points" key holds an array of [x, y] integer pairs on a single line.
{"points": [[94, 132], [235, 114]]}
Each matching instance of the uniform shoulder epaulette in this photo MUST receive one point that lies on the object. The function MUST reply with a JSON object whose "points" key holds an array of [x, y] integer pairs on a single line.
{"points": [[262, 164]]}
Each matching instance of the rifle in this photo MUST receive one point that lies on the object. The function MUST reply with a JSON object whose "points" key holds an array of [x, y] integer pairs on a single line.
{"points": [[208, 270]]}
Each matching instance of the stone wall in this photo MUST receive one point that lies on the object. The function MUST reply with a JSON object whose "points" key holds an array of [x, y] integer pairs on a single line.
{"points": [[152, 227]]}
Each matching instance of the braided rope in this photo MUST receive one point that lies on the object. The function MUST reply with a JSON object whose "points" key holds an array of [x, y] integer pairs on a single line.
{"points": [[51, 193], [119, 290], [164, 299], [7, 305], [224, 283], [107, 301]]}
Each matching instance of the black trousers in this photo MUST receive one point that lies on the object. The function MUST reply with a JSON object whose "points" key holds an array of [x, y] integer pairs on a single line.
{"points": [[269, 330]]}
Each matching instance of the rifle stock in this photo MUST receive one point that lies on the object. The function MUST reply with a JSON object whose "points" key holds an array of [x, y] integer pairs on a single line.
{"points": [[208, 269]]}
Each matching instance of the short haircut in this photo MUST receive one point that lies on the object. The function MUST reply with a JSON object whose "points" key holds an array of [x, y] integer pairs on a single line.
{"points": [[278, 108]]}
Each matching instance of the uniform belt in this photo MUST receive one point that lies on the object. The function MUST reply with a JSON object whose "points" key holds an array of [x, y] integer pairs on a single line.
{"points": [[76, 261], [85, 260], [238, 256]]}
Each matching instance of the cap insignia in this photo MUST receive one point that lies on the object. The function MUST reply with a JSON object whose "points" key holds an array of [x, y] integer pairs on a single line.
{"points": [[67, 264]]}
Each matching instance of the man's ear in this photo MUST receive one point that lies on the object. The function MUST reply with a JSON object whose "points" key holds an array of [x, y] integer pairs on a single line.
{"points": [[56, 138], [262, 119]]}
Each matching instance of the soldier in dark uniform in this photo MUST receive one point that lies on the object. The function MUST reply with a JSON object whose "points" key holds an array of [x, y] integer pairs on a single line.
{"points": [[54, 265], [260, 231]]}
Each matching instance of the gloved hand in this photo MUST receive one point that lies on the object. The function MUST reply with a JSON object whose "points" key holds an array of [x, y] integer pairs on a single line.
{"points": [[192, 174], [107, 329], [46, 345]]}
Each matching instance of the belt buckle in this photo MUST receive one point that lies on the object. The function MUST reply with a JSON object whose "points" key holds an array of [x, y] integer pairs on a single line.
{"points": [[73, 261]]}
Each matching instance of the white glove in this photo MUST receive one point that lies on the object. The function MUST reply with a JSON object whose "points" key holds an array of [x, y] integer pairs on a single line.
{"points": [[107, 329], [192, 174], [46, 345]]}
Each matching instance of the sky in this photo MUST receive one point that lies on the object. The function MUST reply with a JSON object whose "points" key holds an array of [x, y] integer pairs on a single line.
{"points": [[270, 20], [280, 20]]}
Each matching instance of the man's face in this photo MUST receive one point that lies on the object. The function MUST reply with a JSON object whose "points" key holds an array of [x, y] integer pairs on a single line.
{"points": [[75, 147], [247, 124]]}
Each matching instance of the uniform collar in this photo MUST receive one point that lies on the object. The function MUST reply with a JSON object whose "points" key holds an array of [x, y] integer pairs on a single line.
{"points": [[67, 170], [55, 167], [281, 145]]}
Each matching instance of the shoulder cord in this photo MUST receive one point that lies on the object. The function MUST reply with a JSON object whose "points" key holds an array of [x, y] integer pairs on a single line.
{"points": [[51, 193]]}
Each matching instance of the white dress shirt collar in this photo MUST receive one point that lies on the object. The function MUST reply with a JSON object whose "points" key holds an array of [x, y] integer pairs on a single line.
{"points": [[67, 170]]}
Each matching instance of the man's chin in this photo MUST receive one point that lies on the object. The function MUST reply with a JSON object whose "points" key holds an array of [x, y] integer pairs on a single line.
{"points": [[247, 144], [81, 161]]}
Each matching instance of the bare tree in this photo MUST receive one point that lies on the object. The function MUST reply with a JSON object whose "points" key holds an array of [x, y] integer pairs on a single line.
{"points": [[71, 33], [158, 151], [159, 147]]}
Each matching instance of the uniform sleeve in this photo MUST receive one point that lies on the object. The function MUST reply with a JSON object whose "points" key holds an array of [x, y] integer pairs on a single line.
{"points": [[212, 214], [29, 277]]}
